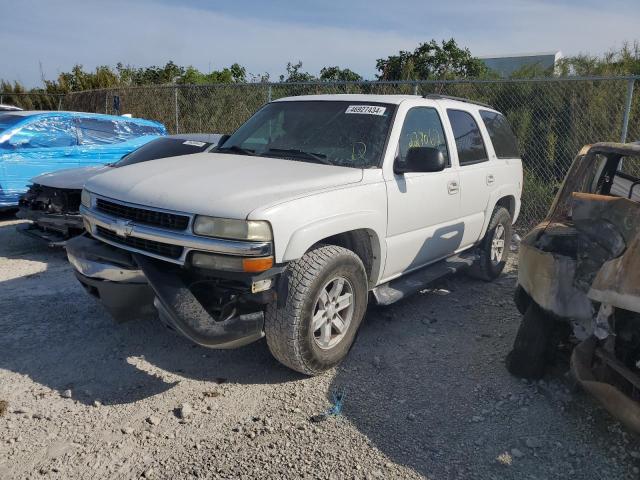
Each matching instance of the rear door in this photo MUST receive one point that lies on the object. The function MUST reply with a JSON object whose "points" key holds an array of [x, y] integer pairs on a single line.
{"points": [[477, 179], [423, 208]]}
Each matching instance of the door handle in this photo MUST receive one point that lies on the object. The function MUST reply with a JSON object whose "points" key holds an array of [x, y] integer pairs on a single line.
{"points": [[453, 187], [490, 179]]}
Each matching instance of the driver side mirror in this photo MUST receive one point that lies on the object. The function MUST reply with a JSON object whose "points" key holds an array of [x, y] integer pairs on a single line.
{"points": [[421, 159]]}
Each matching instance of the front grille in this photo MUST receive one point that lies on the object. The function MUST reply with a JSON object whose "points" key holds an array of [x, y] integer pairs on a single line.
{"points": [[140, 215], [51, 199], [151, 246]]}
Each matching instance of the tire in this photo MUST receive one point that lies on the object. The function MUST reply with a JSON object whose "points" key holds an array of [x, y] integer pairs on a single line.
{"points": [[485, 267], [311, 279], [532, 348]]}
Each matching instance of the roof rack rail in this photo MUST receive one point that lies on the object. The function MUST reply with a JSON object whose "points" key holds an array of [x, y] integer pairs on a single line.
{"points": [[437, 96]]}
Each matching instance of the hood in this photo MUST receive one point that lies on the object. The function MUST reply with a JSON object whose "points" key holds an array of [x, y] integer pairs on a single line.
{"points": [[71, 178], [218, 184]]}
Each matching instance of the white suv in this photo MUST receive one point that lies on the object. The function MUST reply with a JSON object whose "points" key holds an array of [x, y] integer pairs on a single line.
{"points": [[286, 228]]}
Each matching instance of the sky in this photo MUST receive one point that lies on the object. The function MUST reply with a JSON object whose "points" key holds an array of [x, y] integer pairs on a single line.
{"points": [[46, 37]]}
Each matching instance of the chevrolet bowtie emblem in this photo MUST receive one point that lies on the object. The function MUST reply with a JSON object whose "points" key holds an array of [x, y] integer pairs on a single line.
{"points": [[123, 228]]}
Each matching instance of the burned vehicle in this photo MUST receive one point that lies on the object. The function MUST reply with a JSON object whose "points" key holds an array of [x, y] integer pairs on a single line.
{"points": [[52, 203], [578, 281]]}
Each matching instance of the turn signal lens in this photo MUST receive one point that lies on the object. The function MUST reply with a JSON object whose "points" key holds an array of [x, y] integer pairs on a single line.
{"points": [[228, 263], [253, 265]]}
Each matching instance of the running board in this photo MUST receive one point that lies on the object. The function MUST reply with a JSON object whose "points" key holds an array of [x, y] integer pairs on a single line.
{"points": [[413, 282]]}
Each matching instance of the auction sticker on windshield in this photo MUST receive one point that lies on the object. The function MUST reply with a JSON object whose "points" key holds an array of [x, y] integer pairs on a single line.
{"points": [[366, 109]]}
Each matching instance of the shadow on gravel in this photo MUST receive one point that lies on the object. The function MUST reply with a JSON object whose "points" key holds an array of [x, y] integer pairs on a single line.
{"points": [[56, 334], [64, 340]]}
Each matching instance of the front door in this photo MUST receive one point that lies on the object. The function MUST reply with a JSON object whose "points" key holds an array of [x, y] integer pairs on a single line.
{"points": [[423, 208]]}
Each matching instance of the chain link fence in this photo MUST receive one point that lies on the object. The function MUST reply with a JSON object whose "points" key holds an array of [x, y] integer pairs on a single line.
{"points": [[552, 117]]}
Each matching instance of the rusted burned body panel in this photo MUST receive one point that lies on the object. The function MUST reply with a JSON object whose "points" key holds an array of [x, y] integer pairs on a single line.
{"points": [[582, 265], [618, 281], [548, 278]]}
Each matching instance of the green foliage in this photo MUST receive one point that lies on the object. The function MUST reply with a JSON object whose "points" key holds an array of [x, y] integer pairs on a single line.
{"points": [[625, 61], [296, 74], [431, 61], [337, 74], [234, 74]]}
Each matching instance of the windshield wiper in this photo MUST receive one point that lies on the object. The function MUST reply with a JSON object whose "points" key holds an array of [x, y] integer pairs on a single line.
{"points": [[237, 149], [317, 157]]}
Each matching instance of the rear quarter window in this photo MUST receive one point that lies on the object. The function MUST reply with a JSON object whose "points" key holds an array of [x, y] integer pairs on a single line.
{"points": [[132, 130], [97, 131], [502, 137]]}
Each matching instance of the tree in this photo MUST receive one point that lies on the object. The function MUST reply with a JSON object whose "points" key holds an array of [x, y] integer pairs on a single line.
{"points": [[624, 61], [233, 74], [296, 74], [337, 74], [431, 61]]}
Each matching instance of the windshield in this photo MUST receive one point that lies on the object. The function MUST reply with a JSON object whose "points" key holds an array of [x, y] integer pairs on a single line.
{"points": [[8, 120], [162, 148], [349, 134]]}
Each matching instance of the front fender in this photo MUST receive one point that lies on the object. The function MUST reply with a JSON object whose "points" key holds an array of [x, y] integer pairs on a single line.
{"points": [[312, 233]]}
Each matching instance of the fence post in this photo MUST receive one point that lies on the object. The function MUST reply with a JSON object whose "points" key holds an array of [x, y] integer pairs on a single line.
{"points": [[1, 97], [627, 110], [106, 102], [175, 99], [60, 102], [415, 88], [269, 92]]}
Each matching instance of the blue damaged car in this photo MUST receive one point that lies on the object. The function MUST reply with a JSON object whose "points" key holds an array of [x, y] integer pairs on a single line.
{"points": [[35, 142]]}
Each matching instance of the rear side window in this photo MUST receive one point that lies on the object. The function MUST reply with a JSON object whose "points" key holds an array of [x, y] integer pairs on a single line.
{"points": [[97, 132], [502, 137], [132, 130], [422, 128], [162, 148], [468, 138]]}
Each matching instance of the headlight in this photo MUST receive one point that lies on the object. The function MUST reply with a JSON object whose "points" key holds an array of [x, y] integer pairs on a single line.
{"points": [[85, 198], [254, 230]]}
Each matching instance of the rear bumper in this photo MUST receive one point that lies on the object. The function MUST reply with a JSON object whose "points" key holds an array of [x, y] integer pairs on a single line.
{"points": [[134, 286]]}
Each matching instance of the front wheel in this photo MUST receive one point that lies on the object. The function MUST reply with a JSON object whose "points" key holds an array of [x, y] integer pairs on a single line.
{"points": [[493, 250], [326, 301]]}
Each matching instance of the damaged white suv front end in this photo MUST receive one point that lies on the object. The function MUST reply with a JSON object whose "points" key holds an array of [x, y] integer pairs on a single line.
{"points": [[239, 251]]}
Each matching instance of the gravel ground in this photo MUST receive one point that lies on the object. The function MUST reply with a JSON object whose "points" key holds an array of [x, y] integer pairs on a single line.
{"points": [[426, 394]]}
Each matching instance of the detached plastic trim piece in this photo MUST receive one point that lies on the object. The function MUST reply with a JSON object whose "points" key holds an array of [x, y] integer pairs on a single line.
{"points": [[182, 311]]}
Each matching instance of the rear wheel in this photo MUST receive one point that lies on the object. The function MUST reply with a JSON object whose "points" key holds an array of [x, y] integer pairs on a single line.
{"points": [[493, 250], [326, 301]]}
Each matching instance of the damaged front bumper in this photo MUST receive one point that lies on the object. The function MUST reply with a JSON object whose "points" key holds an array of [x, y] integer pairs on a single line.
{"points": [[215, 313], [54, 213], [51, 227]]}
